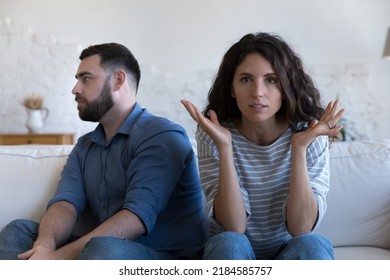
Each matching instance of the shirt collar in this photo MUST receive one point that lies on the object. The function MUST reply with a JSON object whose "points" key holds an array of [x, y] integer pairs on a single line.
{"points": [[98, 135]]}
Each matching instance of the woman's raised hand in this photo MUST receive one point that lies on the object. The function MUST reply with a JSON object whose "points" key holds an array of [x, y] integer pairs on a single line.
{"points": [[211, 125], [327, 125]]}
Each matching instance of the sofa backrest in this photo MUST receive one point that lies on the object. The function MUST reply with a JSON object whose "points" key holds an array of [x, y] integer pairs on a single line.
{"points": [[358, 201], [359, 198], [28, 178]]}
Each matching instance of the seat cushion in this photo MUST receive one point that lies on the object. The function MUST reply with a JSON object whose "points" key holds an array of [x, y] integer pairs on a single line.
{"points": [[361, 253]]}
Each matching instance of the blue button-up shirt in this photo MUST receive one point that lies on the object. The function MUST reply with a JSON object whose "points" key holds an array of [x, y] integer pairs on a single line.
{"points": [[149, 168]]}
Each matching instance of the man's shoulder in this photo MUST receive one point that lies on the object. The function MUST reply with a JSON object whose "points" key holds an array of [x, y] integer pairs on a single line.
{"points": [[153, 129], [85, 138], [150, 123]]}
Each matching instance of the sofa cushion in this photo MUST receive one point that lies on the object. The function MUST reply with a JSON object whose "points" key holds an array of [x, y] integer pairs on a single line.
{"points": [[361, 253], [359, 198], [28, 178]]}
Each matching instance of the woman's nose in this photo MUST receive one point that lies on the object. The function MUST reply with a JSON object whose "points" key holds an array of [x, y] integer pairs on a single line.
{"points": [[259, 89]]}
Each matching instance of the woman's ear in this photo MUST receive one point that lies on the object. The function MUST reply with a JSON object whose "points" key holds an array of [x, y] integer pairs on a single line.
{"points": [[233, 93]]}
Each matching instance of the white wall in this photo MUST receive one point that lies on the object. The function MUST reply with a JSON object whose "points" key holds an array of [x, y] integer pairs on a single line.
{"points": [[179, 45]]}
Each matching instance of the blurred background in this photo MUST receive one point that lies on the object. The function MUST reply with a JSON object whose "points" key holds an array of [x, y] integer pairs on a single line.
{"points": [[179, 45]]}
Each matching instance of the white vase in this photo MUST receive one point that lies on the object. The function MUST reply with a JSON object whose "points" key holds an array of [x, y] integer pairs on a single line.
{"points": [[36, 119]]}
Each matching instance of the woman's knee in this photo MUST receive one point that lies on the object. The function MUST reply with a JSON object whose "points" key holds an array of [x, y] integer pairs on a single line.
{"points": [[228, 245], [230, 238], [312, 240], [308, 246]]}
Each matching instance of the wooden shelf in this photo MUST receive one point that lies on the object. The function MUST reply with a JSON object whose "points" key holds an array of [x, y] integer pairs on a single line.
{"points": [[40, 139]]}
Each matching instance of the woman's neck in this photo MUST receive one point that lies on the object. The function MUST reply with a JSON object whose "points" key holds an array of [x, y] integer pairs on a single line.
{"points": [[262, 133]]}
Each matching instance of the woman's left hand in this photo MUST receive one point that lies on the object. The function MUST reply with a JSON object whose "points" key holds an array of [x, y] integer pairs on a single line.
{"points": [[327, 125]]}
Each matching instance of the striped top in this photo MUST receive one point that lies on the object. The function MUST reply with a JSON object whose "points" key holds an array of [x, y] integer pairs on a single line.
{"points": [[264, 177]]}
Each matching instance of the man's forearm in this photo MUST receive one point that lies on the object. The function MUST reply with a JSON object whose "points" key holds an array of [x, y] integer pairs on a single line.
{"points": [[124, 225], [56, 225]]}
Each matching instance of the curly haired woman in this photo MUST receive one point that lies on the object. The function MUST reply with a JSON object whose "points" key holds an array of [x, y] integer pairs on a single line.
{"points": [[263, 150]]}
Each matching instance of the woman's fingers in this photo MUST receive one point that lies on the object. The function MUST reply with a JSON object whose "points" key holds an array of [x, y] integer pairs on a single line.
{"points": [[192, 109], [330, 117]]}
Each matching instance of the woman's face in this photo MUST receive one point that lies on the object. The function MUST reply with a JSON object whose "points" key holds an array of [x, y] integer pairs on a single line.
{"points": [[256, 89]]}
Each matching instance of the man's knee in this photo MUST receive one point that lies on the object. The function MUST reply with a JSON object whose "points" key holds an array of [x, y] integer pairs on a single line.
{"points": [[17, 237], [110, 248], [96, 248], [21, 226]]}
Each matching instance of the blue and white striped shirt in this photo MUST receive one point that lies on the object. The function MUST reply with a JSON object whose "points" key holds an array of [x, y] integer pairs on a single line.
{"points": [[264, 177]]}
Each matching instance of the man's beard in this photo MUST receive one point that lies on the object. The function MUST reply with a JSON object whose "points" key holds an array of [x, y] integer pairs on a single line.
{"points": [[97, 108]]}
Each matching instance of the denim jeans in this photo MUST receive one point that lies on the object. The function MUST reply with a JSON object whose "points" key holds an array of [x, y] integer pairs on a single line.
{"points": [[19, 236], [236, 246]]}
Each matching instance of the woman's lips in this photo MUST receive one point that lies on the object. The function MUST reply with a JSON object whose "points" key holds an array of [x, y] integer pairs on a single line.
{"points": [[258, 106]]}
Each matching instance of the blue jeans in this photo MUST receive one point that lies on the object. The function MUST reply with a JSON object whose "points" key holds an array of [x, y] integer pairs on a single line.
{"points": [[19, 236], [236, 246]]}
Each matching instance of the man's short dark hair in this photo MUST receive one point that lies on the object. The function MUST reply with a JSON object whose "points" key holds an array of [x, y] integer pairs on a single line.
{"points": [[114, 56]]}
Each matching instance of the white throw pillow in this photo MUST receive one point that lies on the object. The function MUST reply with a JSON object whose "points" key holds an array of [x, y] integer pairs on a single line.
{"points": [[359, 198]]}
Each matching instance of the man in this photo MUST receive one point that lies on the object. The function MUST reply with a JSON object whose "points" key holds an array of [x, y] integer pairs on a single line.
{"points": [[136, 172]]}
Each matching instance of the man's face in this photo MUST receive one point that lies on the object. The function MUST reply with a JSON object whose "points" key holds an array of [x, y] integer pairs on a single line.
{"points": [[92, 90]]}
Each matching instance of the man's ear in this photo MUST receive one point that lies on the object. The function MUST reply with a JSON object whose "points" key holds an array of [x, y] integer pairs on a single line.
{"points": [[119, 79]]}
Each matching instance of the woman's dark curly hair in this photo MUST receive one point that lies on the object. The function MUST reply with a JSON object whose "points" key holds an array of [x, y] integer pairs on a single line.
{"points": [[301, 99]]}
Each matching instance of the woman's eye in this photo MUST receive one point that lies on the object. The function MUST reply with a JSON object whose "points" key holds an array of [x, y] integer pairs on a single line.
{"points": [[271, 80], [245, 79]]}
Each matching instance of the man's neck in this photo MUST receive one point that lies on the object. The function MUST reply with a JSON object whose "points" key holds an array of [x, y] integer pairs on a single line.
{"points": [[113, 120]]}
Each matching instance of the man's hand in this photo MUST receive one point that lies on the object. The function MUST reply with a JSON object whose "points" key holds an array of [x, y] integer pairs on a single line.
{"points": [[39, 253]]}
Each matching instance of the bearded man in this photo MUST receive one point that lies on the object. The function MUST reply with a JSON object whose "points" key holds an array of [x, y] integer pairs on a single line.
{"points": [[136, 172]]}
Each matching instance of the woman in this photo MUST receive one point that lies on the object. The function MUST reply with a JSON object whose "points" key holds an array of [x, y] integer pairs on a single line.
{"points": [[263, 153]]}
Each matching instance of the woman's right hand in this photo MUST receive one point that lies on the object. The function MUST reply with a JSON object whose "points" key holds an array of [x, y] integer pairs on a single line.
{"points": [[229, 206], [211, 125]]}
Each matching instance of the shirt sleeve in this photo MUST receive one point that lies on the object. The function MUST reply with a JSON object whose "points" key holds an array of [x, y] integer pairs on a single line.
{"points": [[157, 163], [208, 160], [319, 175], [70, 187]]}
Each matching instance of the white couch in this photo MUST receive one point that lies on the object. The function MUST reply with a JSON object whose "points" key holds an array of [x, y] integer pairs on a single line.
{"points": [[357, 221], [358, 216]]}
